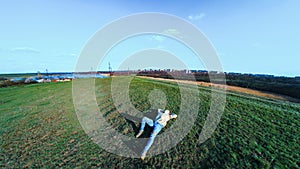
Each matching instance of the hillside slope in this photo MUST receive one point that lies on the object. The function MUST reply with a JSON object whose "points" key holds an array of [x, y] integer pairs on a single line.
{"points": [[39, 128]]}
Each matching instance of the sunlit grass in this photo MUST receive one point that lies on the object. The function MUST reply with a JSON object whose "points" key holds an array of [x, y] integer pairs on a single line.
{"points": [[39, 128]]}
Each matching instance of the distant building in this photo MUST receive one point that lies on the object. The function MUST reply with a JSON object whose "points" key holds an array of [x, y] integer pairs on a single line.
{"points": [[188, 71]]}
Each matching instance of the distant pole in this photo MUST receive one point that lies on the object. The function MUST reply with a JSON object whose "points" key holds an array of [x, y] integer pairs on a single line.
{"points": [[38, 74], [109, 69]]}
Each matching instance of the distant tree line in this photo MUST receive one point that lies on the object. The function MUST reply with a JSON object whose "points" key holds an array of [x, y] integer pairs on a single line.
{"points": [[281, 85]]}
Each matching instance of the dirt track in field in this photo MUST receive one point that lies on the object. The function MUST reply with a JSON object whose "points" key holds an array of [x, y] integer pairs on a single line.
{"points": [[232, 88]]}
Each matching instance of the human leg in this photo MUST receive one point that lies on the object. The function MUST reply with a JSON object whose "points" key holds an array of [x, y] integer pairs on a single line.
{"points": [[145, 121], [156, 130]]}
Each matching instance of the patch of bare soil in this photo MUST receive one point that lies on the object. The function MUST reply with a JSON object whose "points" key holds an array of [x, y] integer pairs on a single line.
{"points": [[231, 88]]}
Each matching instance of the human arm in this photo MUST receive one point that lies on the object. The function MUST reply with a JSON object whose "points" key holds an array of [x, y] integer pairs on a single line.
{"points": [[159, 113], [173, 116]]}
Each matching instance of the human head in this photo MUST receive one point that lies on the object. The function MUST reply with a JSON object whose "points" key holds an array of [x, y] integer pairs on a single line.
{"points": [[167, 111]]}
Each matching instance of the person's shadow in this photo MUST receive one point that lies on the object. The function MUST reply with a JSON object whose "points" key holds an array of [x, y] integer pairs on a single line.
{"points": [[151, 114], [137, 145]]}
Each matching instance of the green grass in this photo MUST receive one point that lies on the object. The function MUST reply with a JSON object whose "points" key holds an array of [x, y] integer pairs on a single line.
{"points": [[39, 128]]}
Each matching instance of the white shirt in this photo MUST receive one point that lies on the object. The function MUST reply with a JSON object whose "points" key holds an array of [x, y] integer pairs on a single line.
{"points": [[163, 117]]}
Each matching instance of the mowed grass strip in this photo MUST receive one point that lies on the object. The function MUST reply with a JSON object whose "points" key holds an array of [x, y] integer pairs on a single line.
{"points": [[39, 128]]}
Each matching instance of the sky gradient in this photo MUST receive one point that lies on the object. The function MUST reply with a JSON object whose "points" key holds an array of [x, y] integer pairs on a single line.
{"points": [[260, 37]]}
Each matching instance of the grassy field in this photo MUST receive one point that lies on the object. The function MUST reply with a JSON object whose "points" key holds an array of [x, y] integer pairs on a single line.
{"points": [[39, 128]]}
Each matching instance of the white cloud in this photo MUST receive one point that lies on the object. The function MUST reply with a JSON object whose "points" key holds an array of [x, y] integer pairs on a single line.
{"points": [[168, 32], [25, 50], [68, 54], [71, 54], [173, 32], [221, 54], [158, 38], [196, 17]]}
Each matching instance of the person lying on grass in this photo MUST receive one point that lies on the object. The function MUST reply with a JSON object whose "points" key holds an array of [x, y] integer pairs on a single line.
{"points": [[163, 116]]}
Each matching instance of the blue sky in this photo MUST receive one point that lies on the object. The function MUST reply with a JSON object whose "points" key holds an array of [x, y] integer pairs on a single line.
{"points": [[260, 36]]}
